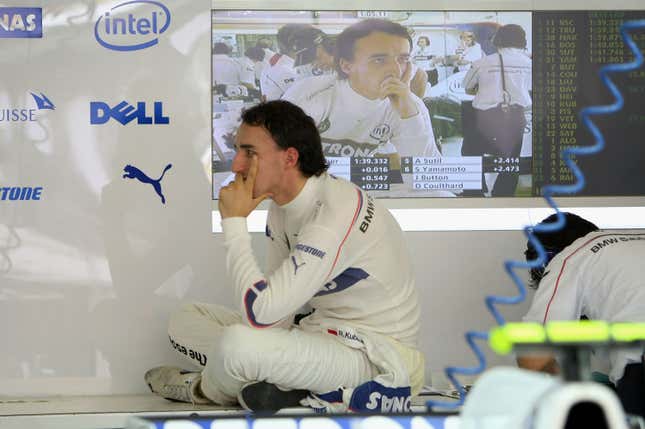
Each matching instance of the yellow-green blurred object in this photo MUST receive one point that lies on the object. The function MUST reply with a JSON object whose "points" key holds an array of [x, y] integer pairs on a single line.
{"points": [[628, 331], [583, 331], [503, 338]]}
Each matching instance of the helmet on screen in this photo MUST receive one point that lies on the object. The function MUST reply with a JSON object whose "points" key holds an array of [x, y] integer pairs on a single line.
{"points": [[303, 42]]}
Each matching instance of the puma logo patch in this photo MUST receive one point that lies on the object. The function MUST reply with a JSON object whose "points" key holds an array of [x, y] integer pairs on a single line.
{"points": [[132, 172]]}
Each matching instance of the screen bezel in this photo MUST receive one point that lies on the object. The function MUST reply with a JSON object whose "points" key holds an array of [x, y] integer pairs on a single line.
{"points": [[627, 207]]}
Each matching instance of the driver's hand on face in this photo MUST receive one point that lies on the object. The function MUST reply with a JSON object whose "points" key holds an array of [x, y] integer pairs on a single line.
{"points": [[399, 93], [236, 199]]}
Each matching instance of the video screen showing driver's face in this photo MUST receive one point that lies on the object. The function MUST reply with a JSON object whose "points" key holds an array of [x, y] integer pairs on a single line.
{"points": [[405, 102]]}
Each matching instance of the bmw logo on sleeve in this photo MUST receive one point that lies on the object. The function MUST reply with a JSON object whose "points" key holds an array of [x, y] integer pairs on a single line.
{"points": [[132, 25]]}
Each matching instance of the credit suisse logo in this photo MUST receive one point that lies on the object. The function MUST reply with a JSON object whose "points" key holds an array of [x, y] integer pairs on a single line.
{"points": [[26, 114], [21, 22], [132, 25]]}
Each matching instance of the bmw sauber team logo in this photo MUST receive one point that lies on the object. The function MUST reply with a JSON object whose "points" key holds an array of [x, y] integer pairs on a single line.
{"points": [[324, 125], [381, 132]]}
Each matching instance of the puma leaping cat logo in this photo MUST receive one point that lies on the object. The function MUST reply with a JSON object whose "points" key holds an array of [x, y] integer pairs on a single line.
{"points": [[296, 265], [132, 172]]}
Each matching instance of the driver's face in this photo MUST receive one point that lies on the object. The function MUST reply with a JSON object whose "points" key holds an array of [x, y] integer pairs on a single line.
{"points": [[377, 56]]}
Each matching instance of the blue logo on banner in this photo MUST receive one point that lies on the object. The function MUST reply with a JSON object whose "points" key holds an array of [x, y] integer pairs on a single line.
{"points": [[14, 193], [343, 421], [132, 32], [43, 102], [374, 397], [132, 172], [21, 22], [124, 113], [25, 114]]}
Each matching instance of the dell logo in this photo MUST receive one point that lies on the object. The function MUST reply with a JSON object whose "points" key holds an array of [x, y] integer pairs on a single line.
{"points": [[132, 31], [125, 113], [26, 22]]}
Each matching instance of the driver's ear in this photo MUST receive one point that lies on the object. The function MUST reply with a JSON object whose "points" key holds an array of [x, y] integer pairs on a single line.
{"points": [[345, 65], [292, 156]]}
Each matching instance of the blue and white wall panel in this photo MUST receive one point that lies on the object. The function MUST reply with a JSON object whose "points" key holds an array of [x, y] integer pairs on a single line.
{"points": [[92, 262]]}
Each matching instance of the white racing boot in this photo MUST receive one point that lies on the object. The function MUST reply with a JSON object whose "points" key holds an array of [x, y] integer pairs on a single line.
{"points": [[176, 384]]}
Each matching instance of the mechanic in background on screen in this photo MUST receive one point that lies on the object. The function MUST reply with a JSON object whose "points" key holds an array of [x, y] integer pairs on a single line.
{"points": [[595, 274], [296, 42], [426, 60], [331, 247], [499, 104], [229, 72]]}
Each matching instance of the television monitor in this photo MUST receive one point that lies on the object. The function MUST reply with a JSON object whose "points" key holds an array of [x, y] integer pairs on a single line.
{"points": [[457, 145], [566, 48]]}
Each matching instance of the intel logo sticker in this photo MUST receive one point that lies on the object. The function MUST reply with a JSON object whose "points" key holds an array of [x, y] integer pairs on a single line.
{"points": [[132, 25]]}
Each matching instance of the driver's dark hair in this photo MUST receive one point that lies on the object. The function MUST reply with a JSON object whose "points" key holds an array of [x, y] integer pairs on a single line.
{"points": [[346, 40], [554, 242], [290, 126]]}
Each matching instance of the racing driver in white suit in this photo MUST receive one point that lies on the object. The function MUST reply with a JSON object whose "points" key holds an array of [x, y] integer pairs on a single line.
{"points": [[330, 247], [369, 109]]}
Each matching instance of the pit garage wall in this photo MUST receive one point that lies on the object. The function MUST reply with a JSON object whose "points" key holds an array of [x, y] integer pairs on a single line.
{"points": [[90, 271]]}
